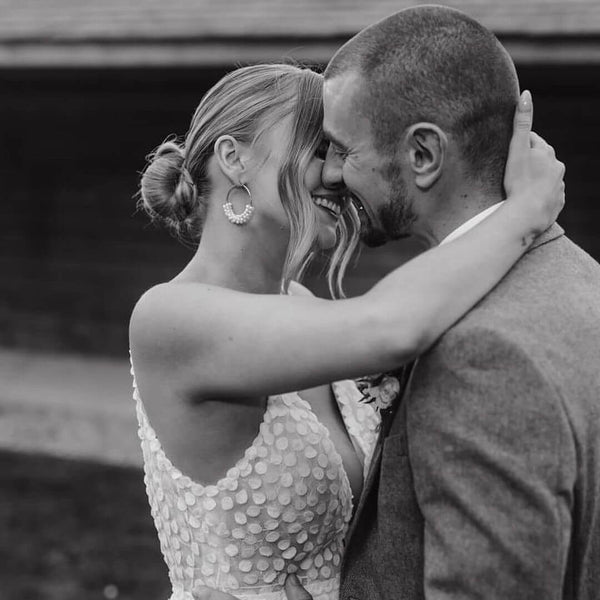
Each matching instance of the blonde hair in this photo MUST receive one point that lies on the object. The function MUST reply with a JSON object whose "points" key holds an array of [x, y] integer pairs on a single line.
{"points": [[175, 186]]}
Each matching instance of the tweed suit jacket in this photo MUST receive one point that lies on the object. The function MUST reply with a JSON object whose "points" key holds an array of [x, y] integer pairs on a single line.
{"points": [[487, 484]]}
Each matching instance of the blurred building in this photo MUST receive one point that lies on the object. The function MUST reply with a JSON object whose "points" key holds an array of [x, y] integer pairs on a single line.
{"points": [[88, 89]]}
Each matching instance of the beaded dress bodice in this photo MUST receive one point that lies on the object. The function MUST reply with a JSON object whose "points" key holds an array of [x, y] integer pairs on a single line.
{"points": [[284, 507]]}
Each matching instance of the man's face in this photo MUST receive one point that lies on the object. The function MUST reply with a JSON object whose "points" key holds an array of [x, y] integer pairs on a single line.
{"points": [[376, 182]]}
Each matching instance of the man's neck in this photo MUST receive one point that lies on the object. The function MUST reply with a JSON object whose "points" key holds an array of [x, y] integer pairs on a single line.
{"points": [[452, 213]]}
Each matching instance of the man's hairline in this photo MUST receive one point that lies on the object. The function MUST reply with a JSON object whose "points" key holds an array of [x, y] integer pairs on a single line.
{"points": [[356, 102]]}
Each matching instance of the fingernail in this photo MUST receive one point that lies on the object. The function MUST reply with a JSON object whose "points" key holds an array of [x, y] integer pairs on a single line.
{"points": [[526, 100]]}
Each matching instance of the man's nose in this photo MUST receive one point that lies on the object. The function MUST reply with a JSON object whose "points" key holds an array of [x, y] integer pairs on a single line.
{"points": [[331, 174]]}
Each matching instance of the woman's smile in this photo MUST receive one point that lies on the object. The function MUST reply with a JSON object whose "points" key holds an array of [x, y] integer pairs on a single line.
{"points": [[332, 204]]}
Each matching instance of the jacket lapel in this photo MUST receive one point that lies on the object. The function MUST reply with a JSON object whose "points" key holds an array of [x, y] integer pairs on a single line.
{"points": [[387, 419]]}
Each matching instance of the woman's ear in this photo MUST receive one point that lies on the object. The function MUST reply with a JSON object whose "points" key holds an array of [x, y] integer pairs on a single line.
{"points": [[231, 157], [427, 146]]}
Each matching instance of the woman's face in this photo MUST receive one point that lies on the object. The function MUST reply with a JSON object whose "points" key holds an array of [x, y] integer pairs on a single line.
{"points": [[270, 155], [330, 203]]}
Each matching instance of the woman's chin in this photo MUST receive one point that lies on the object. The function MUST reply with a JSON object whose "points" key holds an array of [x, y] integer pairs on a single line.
{"points": [[327, 237]]}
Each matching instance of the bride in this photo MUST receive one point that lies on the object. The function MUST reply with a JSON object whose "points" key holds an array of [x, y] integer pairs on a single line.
{"points": [[249, 480]]}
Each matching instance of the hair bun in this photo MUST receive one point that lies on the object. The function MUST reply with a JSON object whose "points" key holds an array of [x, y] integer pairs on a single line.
{"points": [[167, 189]]}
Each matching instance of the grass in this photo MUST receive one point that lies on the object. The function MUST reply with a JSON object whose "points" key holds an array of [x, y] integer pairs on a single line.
{"points": [[74, 530]]}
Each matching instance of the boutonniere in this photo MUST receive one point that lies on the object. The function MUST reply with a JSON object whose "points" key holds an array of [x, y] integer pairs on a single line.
{"points": [[379, 390]]}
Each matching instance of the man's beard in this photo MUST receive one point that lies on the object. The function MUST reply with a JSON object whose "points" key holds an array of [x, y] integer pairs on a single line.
{"points": [[396, 216]]}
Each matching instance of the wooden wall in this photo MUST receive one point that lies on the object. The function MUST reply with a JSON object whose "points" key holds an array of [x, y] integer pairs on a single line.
{"points": [[75, 255]]}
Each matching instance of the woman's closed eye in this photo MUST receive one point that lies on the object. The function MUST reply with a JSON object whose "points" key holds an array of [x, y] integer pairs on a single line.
{"points": [[322, 149]]}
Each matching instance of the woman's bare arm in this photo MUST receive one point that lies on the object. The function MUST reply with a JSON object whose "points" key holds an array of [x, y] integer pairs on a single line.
{"points": [[223, 343]]}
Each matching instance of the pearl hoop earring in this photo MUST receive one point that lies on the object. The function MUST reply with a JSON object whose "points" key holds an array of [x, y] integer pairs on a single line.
{"points": [[246, 214]]}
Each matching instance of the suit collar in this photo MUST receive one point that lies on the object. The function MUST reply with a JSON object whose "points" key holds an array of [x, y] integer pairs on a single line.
{"points": [[553, 232], [469, 224]]}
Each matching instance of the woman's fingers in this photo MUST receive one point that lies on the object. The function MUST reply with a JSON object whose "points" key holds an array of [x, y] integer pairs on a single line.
{"points": [[523, 122], [561, 168], [294, 589], [524, 112], [521, 141], [537, 142], [201, 592]]}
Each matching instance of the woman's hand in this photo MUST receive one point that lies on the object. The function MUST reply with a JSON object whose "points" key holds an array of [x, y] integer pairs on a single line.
{"points": [[202, 592], [534, 177], [293, 590]]}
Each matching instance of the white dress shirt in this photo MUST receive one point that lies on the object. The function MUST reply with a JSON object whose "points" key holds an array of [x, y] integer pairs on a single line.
{"points": [[462, 229]]}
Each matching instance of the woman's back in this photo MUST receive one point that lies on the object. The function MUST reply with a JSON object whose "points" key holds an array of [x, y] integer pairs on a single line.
{"points": [[204, 434], [282, 508]]}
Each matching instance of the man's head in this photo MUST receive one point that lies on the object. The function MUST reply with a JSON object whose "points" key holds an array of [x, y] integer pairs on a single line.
{"points": [[417, 106]]}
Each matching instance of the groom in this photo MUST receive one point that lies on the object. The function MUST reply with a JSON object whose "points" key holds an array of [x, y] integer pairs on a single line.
{"points": [[486, 480]]}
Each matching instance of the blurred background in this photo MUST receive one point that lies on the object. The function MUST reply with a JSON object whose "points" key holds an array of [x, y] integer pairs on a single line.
{"points": [[87, 89]]}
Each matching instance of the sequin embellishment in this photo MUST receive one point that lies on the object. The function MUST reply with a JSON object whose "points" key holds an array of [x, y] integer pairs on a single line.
{"points": [[284, 507]]}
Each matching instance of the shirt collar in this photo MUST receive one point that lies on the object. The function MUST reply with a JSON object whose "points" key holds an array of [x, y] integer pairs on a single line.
{"points": [[462, 229]]}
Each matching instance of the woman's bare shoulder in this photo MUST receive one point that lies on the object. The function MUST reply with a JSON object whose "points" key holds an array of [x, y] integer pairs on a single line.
{"points": [[297, 289], [164, 312]]}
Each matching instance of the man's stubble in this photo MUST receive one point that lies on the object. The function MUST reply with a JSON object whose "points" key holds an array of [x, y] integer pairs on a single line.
{"points": [[396, 216]]}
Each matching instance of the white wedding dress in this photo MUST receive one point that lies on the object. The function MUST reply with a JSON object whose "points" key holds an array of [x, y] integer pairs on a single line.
{"points": [[284, 507]]}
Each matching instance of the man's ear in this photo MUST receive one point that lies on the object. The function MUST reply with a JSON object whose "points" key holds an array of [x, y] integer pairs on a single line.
{"points": [[427, 147], [231, 157]]}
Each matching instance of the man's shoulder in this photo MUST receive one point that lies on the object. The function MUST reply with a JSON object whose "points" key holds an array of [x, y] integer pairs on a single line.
{"points": [[539, 328], [558, 263], [552, 290]]}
